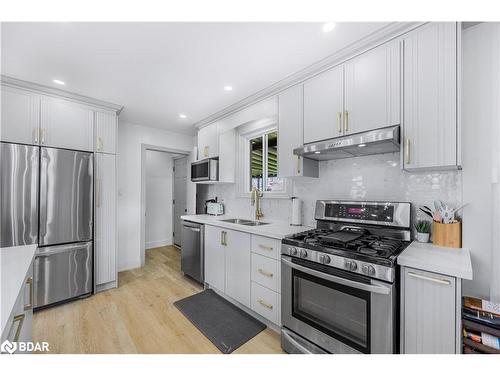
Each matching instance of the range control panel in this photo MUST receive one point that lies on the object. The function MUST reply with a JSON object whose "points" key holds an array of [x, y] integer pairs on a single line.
{"points": [[360, 211]]}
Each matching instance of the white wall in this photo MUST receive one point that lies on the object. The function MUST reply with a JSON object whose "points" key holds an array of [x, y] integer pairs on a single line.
{"points": [[131, 139], [159, 195]]}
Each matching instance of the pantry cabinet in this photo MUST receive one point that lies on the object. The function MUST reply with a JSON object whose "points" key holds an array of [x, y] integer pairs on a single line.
{"points": [[430, 310], [323, 105], [291, 135], [430, 97], [65, 124], [20, 116], [208, 142], [105, 132], [105, 221], [372, 89]]}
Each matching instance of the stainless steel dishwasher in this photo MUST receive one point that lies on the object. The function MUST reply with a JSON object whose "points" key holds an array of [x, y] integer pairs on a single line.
{"points": [[193, 250]]}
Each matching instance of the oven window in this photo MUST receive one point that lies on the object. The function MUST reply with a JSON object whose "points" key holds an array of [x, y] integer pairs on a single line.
{"points": [[337, 310], [200, 170]]}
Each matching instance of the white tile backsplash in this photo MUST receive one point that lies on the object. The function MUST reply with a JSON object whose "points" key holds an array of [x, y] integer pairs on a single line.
{"points": [[374, 177]]}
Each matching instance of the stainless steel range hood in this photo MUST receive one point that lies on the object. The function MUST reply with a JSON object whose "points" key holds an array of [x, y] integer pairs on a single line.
{"points": [[378, 141]]}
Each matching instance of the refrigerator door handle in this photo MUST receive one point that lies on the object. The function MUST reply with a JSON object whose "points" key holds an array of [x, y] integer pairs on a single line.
{"points": [[44, 192]]}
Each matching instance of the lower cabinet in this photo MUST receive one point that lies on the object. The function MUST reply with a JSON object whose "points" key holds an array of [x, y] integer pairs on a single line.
{"points": [[235, 267], [19, 327], [105, 221], [430, 312]]}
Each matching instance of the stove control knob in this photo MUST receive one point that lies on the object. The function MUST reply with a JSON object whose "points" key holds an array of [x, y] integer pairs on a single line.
{"points": [[293, 251], [351, 265], [303, 253], [325, 259], [368, 270]]}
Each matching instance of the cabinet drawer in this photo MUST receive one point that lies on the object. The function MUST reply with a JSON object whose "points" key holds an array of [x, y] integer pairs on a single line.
{"points": [[266, 246], [265, 271], [267, 303]]}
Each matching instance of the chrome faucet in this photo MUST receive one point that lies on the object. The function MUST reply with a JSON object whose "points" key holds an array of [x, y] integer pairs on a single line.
{"points": [[255, 198]]}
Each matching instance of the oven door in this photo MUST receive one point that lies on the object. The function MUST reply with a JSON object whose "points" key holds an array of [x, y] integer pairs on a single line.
{"points": [[336, 310]]}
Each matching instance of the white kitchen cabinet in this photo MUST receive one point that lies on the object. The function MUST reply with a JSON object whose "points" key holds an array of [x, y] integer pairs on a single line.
{"points": [[20, 118], [105, 132], [323, 105], [105, 221], [237, 254], [291, 135], [227, 156], [372, 89], [66, 124], [215, 258], [208, 142], [430, 312], [430, 97], [266, 303]]}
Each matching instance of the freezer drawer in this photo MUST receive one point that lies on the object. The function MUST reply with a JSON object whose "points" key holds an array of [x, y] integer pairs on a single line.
{"points": [[66, 196], [62, 272], [18, 195]]}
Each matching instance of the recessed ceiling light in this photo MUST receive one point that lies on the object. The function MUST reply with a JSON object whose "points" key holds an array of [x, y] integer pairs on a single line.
{"points": [[59, 82], [317, 152], [182, 115], [362, 145], [328, 26], [228, 88]]}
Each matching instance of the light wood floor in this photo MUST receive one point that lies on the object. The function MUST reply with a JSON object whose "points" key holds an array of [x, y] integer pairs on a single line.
{"points": [[137, 317]]}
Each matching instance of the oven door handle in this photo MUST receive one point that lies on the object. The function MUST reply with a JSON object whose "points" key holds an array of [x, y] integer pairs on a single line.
{"points": [[379, 289]]}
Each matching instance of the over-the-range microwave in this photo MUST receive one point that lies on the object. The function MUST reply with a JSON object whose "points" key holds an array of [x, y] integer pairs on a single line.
{"points": [[205, 170]]}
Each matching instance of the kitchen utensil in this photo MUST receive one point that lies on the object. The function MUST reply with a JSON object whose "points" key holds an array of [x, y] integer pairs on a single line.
{"points": [[436, 216], [427, 212], [455, 211]]}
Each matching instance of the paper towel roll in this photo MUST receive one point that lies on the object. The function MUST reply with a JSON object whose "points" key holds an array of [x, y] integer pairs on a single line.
{"points": [[296, 211]]}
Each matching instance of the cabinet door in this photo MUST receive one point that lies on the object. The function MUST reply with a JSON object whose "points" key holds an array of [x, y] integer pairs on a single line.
{"points": [[208, 142], [215, 263], [372, 89], [20, 119], [105, 216], [105, 132], [227, 152], [238, 266], [65, 124], [323, 105], [429, 313], [430, 97], [290, 131]]}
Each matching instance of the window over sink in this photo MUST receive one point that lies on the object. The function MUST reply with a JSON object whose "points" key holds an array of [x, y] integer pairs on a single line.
{"points": [[264, 162]]}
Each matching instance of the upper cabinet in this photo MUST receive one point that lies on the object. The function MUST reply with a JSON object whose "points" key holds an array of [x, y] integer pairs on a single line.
{"points": [[66, 124], [20, 116], [208, 142], [372, 89], [430, 97], [105, 132], [359, 95], [323, 105], [291, 135]]}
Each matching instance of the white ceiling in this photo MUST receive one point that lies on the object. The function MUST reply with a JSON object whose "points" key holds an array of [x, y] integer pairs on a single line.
{"points": [[158, 70]]}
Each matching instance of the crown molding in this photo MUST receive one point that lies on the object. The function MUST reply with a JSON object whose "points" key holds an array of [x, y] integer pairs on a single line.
{"points": [[375, 39], [42, 89]]}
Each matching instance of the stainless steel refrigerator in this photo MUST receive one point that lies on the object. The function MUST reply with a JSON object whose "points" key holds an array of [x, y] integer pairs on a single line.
{"points": [[46, 198]]}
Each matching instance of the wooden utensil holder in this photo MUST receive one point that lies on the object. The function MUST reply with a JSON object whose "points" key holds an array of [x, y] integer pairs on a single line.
{"points": [[447, 235]]}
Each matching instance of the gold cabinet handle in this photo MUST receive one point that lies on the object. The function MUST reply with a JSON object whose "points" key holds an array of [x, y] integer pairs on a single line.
{"points": [[20, 319], [42, 141], [428, 278], [98, 192], [222, 237], [346, 121], [407, 151], [265, 304], [29, 305], [298, 164], [265, 273], [35, 135], [99, 143], [339, 122], [264, 247], [205, 151]]}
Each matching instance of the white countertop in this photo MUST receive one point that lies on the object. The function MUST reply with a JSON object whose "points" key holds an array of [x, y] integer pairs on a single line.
{"points": [[274, 229], [14, 264], [443, 260]]}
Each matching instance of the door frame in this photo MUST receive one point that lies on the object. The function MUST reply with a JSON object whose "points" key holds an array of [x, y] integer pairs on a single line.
{"points": [[173, 191], [145, 147]]}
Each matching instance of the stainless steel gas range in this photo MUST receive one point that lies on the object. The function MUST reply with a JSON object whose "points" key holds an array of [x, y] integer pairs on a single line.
{"points": [[339, 282]]}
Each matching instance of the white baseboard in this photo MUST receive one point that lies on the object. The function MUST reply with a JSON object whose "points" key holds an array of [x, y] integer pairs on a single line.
{"points": [[159, 243], [126, 266]]}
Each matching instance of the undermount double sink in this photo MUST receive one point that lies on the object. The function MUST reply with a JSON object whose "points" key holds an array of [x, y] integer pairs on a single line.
{"points": [[249, 223]]}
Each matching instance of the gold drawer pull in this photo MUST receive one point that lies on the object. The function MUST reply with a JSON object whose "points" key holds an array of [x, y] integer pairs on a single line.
{"points": [[29, 306], [428, 278], [407, 151], [20, 319], [265, 273], [270, 248], [265, 304], [346, 121], [339, 122]]}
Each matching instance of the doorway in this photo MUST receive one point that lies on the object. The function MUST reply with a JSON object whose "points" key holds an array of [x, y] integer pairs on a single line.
{"points": [[179, 198]]}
